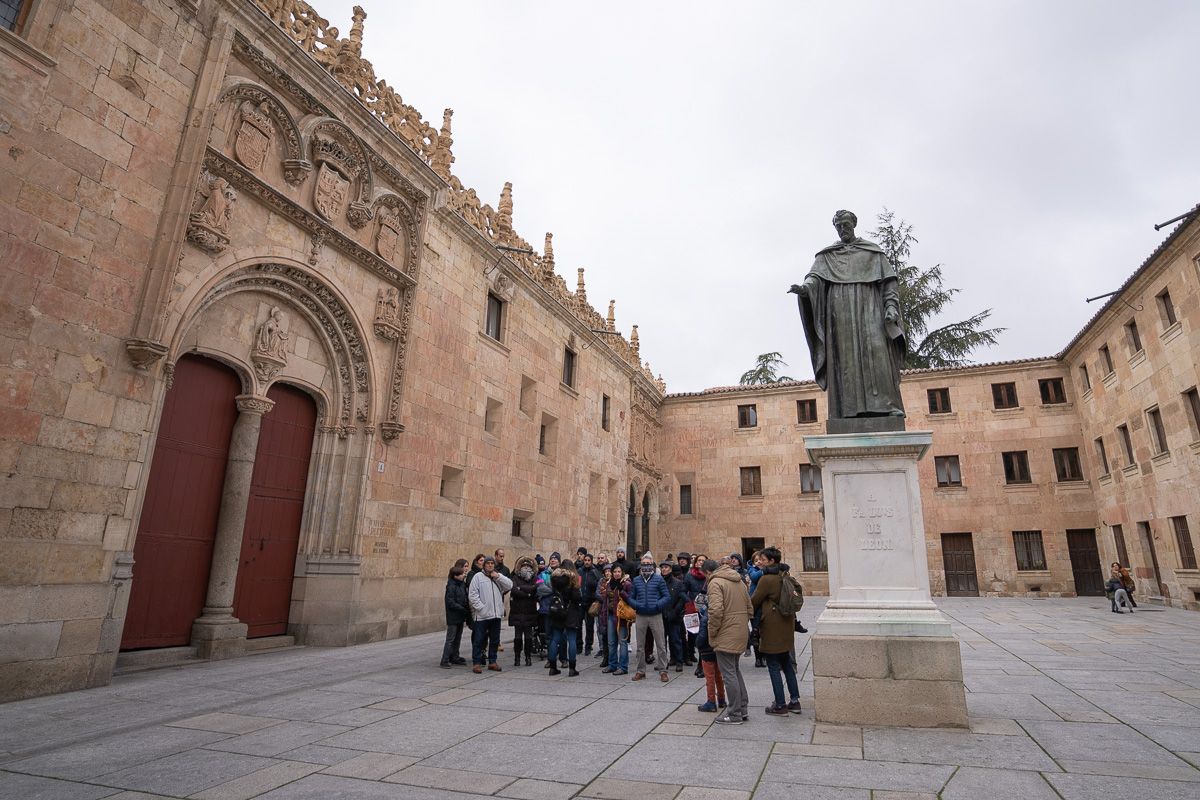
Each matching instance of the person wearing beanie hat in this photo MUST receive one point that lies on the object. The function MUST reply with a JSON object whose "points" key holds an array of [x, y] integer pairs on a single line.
{"points": [[486, 595], [627, 566], [684, 560]]}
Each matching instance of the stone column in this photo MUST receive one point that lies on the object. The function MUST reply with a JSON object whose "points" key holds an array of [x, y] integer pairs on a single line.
{"points": [[217, 633]]}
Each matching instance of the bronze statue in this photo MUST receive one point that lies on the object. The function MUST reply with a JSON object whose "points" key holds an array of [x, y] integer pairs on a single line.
{"points": [[850, 308]]}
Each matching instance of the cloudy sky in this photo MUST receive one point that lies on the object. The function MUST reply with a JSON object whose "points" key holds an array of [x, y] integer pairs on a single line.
{"points": [[690, 155]]}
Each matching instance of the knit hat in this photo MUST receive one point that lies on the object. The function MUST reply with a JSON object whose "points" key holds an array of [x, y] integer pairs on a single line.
{"points": [[556, 555], [688, 556], [489, 558], [539, 559], [620, 549], [666, 563]]}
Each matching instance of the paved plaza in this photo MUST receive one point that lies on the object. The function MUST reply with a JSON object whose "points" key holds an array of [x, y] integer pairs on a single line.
{"points": [[1066, 700]]}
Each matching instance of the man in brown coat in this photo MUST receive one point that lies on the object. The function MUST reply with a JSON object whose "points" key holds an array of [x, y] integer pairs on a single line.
{"points": [[729, 613]]}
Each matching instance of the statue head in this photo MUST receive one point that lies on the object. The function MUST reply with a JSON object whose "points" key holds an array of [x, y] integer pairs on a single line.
{"points": [[844, 222]]}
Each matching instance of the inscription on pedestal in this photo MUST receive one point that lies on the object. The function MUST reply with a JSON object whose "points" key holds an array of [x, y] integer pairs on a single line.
{"points": [[874, 528]]}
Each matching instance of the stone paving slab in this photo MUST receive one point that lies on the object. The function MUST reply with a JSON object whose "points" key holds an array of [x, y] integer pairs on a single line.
{"points": [[1064, 702]]}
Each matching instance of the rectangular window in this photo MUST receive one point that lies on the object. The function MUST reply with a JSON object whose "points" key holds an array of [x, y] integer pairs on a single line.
{"points": [[1191, 400], [1166, 308], [939, 401], [813, 548], [1102, 455], [806, 411], [1183, 538], [1004, 395], [12, 14], [1133, 337], [493, 324], [548, 436], [516, 528], [451, 486], [491, 416], [1084, 378], [605, 403], [1119, 541], [1126, 444], [521, 525], [1066, 464], [685, 499], [1028, 545], [528, 399], [1158, 433], [751, 482], [747, 416], [1052, 391], [1016, 467], [568, 376], [948, 471], [1106, 362], [810, 479], [542, 439]]}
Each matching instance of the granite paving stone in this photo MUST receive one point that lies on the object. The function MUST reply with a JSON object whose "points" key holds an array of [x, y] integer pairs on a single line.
{"points": [[616, 789], [976, 783], [33, 787], [185, 773], [520, 757], [687, 761], [886, 775], [1061, 699]]}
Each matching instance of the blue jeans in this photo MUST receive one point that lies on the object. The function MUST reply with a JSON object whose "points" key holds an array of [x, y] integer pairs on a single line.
{"points": [[777, 663], [618, 646], [557, 635], [485, 633]]}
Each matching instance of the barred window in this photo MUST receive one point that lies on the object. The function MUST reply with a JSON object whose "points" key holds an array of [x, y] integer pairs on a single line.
{"points": [[685, 499], [814, 554], [1030, 555], [1183, 538]]}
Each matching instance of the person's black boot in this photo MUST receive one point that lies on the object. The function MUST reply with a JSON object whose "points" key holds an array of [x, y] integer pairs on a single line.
{"points": [[554, 671], [516, 656], [758, 661], [572, 673], [528, 660]]}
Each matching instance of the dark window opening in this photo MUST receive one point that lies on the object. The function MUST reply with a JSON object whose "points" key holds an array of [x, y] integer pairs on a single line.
{"points": [[813, 548], [1052, 391], [1183, 538], [1030, 555], [1133, 336], [493, 324], [568, 375], [747, 416], [1157, 432], [1166, 308], [1106, 362], [1066, 464], [1126, 444], [1004, 395], [806, 411], [948, 471], [1016, 467], [685, 499], [605, 402], [939, 401], [1102, 455], [751, 481]]}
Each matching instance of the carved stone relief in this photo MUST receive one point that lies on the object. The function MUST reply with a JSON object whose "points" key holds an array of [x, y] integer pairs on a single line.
{"points": [[253, 139], [330, 192], [387, 314], [208, 225], [389, 237]]}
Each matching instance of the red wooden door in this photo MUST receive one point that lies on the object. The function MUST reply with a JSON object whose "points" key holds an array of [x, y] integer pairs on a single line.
{"points": [[173, 550], [272, 533]]}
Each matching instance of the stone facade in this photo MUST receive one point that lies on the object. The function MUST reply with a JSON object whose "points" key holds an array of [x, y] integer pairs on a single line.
{"points": [[230, 181], [704, 447]]}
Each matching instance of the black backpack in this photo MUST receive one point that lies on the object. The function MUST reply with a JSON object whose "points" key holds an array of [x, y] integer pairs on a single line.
{"points": [[558, 609]]}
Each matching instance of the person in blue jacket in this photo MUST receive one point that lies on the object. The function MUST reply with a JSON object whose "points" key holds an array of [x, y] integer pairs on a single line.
{"points": [[650, 597]]}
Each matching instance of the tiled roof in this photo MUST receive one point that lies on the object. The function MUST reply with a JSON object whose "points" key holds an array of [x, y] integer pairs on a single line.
{"points": [[1116, 297]]}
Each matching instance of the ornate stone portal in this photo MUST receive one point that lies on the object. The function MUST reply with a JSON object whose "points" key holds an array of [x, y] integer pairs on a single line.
{"points": [[883, 654]]}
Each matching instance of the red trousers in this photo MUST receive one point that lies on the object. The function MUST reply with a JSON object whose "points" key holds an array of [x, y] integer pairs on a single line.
{"points": [[713, 682]]}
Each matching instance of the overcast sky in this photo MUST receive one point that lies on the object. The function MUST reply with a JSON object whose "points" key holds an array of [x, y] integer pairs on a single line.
{"points": [[690, 155]]}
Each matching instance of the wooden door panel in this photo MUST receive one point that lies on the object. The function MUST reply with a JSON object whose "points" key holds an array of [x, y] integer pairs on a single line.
{"points": [[263, 595], [958, 556], [173, 550], [1085, 563]]}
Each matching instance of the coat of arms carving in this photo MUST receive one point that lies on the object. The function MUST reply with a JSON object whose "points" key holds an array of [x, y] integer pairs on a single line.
{"points": [[254, 135], [390, 237], [332, 189]]}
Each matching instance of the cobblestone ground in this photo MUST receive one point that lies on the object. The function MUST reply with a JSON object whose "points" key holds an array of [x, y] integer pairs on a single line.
{"points": [[1066, 699]]}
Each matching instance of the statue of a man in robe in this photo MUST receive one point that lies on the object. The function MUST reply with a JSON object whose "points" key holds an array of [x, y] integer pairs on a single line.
{"points": [[850, 307]]}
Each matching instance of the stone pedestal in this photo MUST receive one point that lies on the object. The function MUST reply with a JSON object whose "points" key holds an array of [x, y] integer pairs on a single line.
{"points": [[883, 654]]}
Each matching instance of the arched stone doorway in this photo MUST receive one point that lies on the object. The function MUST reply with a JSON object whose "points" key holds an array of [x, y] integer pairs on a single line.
{"points": [[631, 523], [178, 525]]}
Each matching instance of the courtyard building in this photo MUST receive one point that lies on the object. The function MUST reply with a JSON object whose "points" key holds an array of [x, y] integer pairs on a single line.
{"points": [[268, 368]]}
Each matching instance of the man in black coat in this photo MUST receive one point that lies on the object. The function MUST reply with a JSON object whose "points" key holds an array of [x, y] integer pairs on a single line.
{"points": [[589, 582], [627, 566], [673, 613], [458, 612]]}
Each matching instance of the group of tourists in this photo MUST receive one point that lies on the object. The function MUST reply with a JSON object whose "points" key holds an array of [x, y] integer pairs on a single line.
{"points": [[687, 610]]}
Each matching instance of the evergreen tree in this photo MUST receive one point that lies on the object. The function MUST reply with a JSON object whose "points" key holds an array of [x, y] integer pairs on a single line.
{"points": [[765, 370], [922, 296]]}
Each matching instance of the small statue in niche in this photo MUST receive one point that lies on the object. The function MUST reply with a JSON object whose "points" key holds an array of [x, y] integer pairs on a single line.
{"points": [[270, 346], [387, 314], [208, 225]]}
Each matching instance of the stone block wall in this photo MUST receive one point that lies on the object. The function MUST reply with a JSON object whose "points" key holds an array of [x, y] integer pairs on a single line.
{"points": [[93, 99]]}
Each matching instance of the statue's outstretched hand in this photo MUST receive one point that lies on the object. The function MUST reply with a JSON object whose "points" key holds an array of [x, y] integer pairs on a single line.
{"points": [[799, 289]]}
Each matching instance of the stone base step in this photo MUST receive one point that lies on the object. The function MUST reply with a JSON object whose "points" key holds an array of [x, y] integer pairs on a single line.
{"points": [[138, 660], [269, 643]]}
